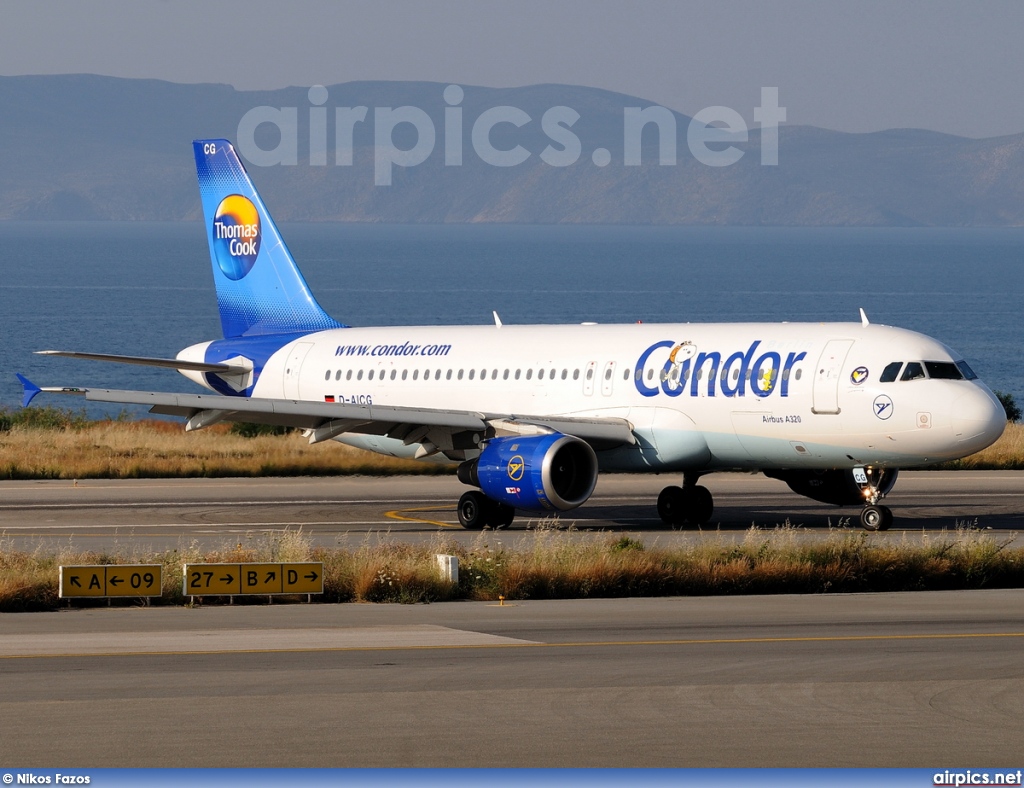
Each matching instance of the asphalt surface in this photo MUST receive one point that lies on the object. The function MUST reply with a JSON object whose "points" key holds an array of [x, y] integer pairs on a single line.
{"points": [[928, 680], [343, 511]]}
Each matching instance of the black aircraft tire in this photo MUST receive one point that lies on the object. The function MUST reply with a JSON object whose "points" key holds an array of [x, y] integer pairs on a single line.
{"points": [[872, 518], [502, 515], [699, 506], [886, 523], [672, 506], [474, 510]]}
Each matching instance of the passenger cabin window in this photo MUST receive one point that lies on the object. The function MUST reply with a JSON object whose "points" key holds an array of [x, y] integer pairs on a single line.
{"points": [[891, 372], [328, 375], [943, 370], [914, 371]]}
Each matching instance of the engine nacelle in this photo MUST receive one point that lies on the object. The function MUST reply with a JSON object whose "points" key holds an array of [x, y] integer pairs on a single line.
{"points": [[537, 472], [835, 486]]}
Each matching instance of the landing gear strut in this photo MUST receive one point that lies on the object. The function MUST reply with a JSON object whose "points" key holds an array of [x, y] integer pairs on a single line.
{"points": [[874, 516], [690, 503], [477, 511]]}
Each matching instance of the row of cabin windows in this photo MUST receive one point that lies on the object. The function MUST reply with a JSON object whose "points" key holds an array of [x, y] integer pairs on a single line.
{"points": [[919, 370], [472, 374], [553, 374]]}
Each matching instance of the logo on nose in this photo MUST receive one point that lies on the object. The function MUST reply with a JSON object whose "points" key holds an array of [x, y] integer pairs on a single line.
{"points": [[883, 406]]}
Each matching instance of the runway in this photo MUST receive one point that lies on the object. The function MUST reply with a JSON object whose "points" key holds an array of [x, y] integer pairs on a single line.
{"points": [[164, 514], [928, 680]]}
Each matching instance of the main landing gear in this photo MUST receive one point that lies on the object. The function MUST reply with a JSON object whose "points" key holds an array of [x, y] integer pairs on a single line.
{"points": [[690, 503], [477, 511]]}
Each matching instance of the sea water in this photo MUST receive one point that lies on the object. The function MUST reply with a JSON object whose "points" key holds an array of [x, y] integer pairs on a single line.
{"points": [[147, 289]]}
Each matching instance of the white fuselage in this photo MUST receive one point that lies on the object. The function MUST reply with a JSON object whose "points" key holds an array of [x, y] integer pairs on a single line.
{"points": [[699, 396]]}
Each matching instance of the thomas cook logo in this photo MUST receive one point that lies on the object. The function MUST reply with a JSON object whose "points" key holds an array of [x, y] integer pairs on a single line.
{"points": [[859, 375], [516, 466], [236, 235]]}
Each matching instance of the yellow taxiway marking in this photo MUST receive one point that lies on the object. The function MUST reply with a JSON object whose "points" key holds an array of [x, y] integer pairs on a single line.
{"points": [[399, 514], [579, 644]]}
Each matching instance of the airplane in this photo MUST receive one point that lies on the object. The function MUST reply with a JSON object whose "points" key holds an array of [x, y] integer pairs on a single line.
{"points": [[532, 413]]}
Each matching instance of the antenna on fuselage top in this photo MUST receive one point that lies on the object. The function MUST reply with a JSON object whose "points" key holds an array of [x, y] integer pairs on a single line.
{"points": [[864, 318]]}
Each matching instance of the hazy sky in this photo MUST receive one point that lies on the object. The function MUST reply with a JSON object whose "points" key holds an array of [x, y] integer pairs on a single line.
{"points": [[859, 65]]}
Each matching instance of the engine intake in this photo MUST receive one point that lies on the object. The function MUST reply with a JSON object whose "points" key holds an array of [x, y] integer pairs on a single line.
{"points": [[538, 472]]}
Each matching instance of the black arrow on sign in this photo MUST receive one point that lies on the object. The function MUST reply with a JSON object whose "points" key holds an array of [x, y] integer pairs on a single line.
{"points": [[270, 576], [311, 576], [74, 581], [228, 579], [115, 581]]}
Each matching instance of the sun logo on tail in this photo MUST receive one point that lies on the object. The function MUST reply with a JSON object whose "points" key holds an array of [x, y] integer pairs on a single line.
{"points": [[236, 235]]}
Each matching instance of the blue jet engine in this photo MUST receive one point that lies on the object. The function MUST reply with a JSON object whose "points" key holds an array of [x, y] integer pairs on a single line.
{"points": [[540, 472]]}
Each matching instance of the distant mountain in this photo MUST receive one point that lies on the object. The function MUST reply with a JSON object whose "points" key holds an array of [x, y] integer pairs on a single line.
{"points": [[90, 147]]}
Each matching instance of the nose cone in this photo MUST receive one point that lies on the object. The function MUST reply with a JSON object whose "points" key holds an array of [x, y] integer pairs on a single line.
{"points": [[978, 420]]}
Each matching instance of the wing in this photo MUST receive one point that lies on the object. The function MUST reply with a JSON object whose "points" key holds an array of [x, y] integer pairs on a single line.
{"points": [[447, 431]]}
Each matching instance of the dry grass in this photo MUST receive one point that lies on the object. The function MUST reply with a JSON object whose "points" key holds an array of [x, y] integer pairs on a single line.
{"points": [[153, 449], [148, 449], [549, 564]]}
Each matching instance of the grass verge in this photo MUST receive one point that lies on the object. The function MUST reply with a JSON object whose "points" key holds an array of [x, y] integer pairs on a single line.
{"points": [[53, 444], [162, 449], [556, 564]]}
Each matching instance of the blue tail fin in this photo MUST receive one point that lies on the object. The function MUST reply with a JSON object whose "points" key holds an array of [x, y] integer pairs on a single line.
{"points": [[259, 288]]}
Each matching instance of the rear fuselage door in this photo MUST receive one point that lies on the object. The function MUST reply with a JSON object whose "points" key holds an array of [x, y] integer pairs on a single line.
{"points": [[826, 376], [293, 367]]}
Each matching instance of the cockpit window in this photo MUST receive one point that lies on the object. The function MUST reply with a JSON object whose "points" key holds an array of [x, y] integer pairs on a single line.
{"points": [[943, 370], [914, 371], [968, 373], [891, 372]]}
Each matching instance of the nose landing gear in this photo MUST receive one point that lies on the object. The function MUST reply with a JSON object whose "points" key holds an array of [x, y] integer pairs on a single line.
{"points": [[874, 516]]}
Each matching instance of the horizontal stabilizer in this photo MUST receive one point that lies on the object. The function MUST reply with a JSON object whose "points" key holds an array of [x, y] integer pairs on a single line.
{"points": [[31, 389], [146, 361]]}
